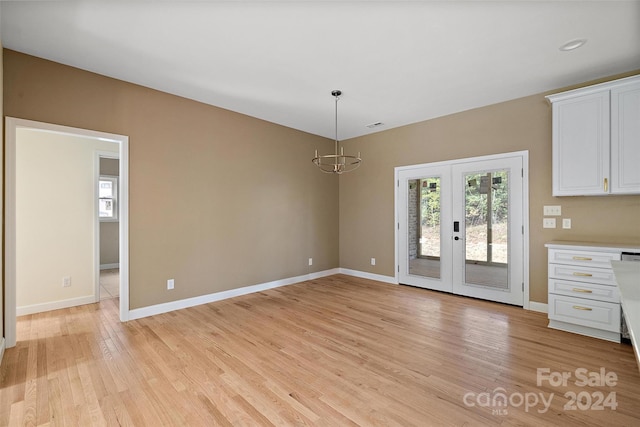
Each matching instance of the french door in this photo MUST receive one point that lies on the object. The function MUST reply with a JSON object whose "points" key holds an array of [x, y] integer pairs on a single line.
{"points": [[461, 227]]}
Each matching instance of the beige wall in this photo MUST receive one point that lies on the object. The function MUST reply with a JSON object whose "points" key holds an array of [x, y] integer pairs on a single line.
{"points": [[218, 200], [109, 230], [55, 216], [367, 196], [209, 208]]}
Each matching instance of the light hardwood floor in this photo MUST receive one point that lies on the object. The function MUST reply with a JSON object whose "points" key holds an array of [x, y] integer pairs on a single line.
{"points": [[331, 352], [109, 283]]}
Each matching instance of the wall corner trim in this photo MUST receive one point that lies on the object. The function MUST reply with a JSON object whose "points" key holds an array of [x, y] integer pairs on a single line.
{"points": [[2, 347], [540, 307]]}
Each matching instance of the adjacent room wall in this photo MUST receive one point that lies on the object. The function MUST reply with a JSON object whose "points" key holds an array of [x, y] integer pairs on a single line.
{"points": [[55, 218], [109, 230], [218, 200], [367, 197]]}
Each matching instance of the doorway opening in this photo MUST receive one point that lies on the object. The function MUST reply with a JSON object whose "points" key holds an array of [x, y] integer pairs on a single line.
{"points": [[108, 190], [78, 279]]}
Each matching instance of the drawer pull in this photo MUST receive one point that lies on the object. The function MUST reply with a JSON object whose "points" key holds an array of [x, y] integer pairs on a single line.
{"points": [[579, 307], [575, 273], [584, 291], [582, 258]]}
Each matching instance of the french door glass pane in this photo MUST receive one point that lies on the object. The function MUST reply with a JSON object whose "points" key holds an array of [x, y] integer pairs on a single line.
{"points": [[424, 227], [486, 229]]}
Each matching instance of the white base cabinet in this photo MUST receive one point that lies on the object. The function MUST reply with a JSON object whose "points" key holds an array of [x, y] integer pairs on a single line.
{"points": [[583, 293]]}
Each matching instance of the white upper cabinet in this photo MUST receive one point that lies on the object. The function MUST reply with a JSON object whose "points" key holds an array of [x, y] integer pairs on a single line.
{"points": [[596, 139], [625, 139], [581, 143]]}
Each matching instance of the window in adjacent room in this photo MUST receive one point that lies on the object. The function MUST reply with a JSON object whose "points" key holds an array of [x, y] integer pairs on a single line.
{"points": [[108, 198]]}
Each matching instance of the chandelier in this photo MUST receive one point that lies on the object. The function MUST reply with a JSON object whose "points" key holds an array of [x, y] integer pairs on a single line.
{"points": [[338, 162]]}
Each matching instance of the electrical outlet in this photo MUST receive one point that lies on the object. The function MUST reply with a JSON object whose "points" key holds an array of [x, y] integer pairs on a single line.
{"points": [[566, 223], [66, 281], [171, 283], [549, 223], [552, 210], [373, 261], [310, 261]]}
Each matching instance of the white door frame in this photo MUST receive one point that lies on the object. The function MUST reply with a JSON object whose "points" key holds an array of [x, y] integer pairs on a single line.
{"points": [[11, 126], [525, 208]]}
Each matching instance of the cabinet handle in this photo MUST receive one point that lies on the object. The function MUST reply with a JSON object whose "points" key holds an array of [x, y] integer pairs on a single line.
{"points": [[584, 291], [575, 273], [582, 258], [606, 185], [579, 307]]}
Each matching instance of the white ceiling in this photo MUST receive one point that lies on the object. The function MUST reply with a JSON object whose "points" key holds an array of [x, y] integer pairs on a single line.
{"points": [[397, 62]]}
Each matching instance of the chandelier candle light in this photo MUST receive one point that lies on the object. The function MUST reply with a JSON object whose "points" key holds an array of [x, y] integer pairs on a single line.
{"points": [[339, 162]]}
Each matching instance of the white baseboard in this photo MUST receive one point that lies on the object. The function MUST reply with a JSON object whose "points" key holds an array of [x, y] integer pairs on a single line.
{"points": [[139, 313], [538, 306], [372, 276], [2, 347], [109, 266], [55, 305]]}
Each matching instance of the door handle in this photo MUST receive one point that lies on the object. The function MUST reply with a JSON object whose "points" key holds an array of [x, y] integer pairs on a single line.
{"points": [[456, 238]]}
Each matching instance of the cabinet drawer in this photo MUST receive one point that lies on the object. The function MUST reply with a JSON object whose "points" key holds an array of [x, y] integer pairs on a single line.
{"points": [[583, 258], [580, 311], [584, 290], [603, 276]]}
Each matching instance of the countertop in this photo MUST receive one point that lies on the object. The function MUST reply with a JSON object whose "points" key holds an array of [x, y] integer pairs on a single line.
{"points": [[628, 278], [558, 244]]}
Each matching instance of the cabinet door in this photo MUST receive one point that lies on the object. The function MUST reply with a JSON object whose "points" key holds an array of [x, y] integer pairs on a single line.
{"points": [[625, 139], [581, 145]]}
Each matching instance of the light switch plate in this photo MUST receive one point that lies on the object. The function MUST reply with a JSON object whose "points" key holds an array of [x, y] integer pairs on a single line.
{"points": [[549, 223], [566, 223], [552, 210]]}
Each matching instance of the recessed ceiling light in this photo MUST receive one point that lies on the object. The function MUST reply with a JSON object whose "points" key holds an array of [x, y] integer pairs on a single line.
{"points": [[572, 44]]}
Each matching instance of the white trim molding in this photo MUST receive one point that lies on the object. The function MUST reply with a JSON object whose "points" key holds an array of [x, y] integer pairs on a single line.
{"points": [[109, 266], [371, 276], [540, 307], [152, 310], [54, 305], [2, 347]]}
